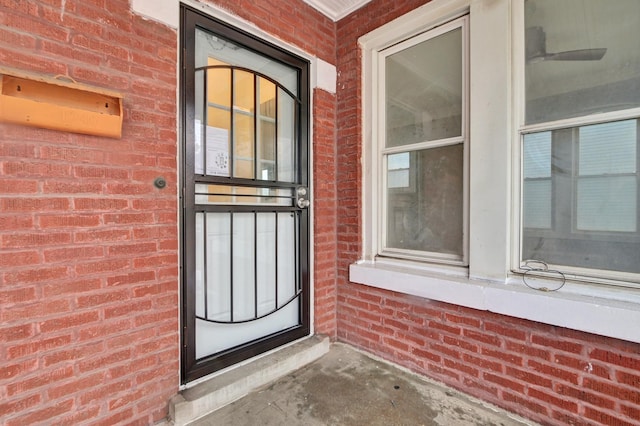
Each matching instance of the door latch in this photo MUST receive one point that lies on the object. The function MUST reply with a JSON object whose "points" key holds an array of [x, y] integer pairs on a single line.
{"points": [[302, 197]]}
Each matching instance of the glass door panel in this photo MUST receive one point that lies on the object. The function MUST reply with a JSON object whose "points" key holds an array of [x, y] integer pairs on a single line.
{"points": [[266, 130], [246, 250], [245, 274], [266, 242], [285, 137], [243, 146]]}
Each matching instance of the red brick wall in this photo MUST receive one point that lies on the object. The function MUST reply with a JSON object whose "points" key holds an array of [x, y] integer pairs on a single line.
{"points": [[293, 21], [324, 173], [89, 279], [88, 245], [549, 374]]}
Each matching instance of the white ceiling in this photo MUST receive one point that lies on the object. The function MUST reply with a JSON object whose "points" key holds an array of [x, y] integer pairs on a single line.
{"points": [[337, 9]]}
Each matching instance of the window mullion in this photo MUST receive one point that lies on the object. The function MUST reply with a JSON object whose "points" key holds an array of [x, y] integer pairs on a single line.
{"points": [[422, 145]]}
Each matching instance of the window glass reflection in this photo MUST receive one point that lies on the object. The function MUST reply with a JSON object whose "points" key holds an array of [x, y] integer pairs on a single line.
{"points": [[581, 58]]}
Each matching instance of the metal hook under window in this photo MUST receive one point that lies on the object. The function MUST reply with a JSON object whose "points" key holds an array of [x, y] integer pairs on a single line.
{"points": [[534, 265]]}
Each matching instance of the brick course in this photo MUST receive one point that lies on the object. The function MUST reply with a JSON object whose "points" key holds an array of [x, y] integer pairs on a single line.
{"points": [[89, 284], [89, 248], [528, 368], [549, 374], [77, 212]]}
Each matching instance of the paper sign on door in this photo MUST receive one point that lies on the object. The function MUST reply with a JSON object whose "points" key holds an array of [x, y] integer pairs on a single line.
{"points": [[217, 150]]}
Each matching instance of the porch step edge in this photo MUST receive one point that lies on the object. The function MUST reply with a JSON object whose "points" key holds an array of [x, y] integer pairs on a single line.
{"points": [[208, 396]]}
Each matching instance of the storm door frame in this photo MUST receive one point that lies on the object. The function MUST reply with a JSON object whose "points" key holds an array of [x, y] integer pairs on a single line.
{"points": [[191, 368]]}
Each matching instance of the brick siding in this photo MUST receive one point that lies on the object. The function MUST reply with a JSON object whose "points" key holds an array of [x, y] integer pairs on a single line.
{"points": [[545, 373], [89, 247], [89, 277], [324, 172], [89, 262], [549, 374]]}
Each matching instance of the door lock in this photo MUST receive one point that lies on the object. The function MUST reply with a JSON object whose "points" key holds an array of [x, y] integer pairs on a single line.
{"points": [[302, 197]]}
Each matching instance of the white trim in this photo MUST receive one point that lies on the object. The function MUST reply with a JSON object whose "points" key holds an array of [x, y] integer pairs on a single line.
{"points": [[326, 76], [323, 74], [165, 11], [490, 140], [488, 283], [168, 12], [616, 315], [583, 120], [339, 10], [377, 45], [415, 22], [370, 75], [517, 82], [377, 145], [424, 145]]}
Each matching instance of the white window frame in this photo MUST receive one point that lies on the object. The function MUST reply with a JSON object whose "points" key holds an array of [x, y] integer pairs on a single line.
{"points": [[383, 250], [576, 274], [490, 282]]}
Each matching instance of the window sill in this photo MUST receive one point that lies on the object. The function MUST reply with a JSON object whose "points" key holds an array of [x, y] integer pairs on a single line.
{"points": [[608, 312]]}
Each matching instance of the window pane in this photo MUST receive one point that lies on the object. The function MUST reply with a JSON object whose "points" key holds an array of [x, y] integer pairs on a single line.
{"points": [[608, 148], [218, 85], [244, 84], [607, 204], [398, 170], [426, 215], [267, 150], [537, 204], [286, 137], [581, 58], [287, 232], [244, 261], [267, 98], [243, 155], [537, 155], [537, 180], [424, 91], [266, 263], [584, 211], [242, 195], [227, 52]]}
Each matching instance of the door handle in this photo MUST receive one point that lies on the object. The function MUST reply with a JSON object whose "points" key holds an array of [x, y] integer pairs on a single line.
{"points": [[302, 197]]}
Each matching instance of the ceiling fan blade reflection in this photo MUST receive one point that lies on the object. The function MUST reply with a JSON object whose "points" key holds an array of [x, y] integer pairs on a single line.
{"points": [[577, 55]]}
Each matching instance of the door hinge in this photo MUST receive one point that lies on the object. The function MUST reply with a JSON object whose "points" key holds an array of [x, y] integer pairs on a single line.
{"points": [[184, 331]]}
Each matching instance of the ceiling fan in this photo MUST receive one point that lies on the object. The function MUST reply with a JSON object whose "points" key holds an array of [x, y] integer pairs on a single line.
{"points": [[536, 49]]}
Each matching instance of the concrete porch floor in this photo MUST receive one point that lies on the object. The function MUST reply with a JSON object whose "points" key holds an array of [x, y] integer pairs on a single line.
{"points": [[347, 387]]}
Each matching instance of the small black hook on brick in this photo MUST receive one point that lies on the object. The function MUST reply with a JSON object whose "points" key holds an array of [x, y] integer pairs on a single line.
{"points": [[160, 182]]}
